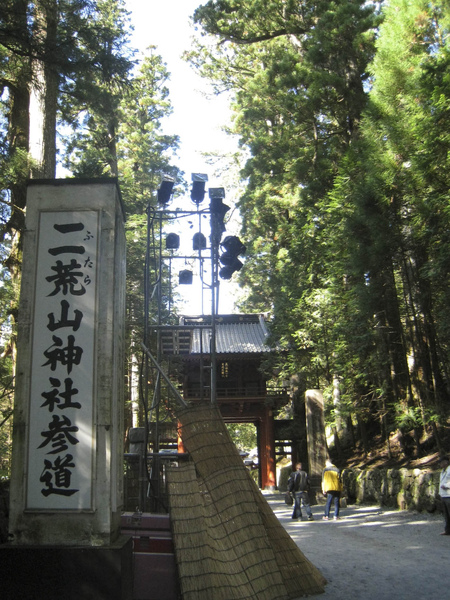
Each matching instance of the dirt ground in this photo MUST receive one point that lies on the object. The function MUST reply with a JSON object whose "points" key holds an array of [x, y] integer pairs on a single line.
{"points": [[372, 553]]}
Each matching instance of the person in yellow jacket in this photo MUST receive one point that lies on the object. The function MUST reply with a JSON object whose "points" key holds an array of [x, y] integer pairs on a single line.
{"points": [[331, 488]]}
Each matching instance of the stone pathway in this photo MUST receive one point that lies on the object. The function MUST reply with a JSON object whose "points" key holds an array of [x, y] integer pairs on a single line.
{"points": [[373, 553]]}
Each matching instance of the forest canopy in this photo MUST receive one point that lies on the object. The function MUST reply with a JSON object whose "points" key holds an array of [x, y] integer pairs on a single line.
{"points": [[342, 112], [76, 95], [343, 107]]}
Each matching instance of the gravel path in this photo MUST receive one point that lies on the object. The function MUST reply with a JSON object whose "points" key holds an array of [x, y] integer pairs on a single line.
{"points": [[372, 553]]}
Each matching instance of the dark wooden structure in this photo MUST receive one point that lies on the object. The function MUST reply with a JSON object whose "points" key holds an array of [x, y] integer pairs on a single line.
{"points": [[242, 393]]}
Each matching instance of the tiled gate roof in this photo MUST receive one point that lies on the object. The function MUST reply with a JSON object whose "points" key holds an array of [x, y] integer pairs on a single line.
{"points": [[235, 334]]}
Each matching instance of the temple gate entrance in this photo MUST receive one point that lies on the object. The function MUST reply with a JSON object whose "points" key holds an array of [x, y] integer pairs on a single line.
{"points": [[242, 393]]}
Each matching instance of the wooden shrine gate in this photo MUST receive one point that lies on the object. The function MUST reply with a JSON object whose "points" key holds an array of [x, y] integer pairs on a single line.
{"points": [[242, 394]]}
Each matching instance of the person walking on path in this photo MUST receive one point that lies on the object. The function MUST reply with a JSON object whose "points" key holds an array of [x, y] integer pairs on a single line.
{"points": [[298, 484], [444, 491], [331, 488]]}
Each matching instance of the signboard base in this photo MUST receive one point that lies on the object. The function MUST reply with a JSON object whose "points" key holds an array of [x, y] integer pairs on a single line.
{"points": [[72, 573]]}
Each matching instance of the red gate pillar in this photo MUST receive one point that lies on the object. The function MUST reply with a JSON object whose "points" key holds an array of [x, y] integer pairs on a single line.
{"points": [[180, 446], [267, 451]]}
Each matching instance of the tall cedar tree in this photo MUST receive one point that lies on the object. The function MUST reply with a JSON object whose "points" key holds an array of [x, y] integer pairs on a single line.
{"points": [[68, 63], [345, 209]]}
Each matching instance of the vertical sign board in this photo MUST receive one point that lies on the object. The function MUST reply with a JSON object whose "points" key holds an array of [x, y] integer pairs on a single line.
{"points": [[61, 437]]}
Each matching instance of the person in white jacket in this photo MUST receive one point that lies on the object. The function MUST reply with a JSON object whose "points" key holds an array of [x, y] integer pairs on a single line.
{"points": [[444, 491]]}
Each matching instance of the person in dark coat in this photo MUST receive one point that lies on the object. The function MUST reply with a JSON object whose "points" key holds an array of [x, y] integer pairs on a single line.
{"points": [[298, 485]]}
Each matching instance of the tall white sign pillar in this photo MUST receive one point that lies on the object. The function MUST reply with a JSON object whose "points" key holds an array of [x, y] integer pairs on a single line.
{"points": [[66, 486]]}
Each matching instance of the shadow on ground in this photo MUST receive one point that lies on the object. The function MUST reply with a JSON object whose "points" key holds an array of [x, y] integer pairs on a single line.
{"points": [[372, 553]]}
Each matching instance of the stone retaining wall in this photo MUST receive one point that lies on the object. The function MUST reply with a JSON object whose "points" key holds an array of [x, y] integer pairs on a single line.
{"points": [[407, 489]]}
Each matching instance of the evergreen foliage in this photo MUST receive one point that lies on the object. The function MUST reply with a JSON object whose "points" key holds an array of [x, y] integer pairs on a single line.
{"points": [[70, 79], [343, 109]]}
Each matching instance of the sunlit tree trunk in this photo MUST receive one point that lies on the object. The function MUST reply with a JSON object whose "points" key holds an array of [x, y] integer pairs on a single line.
{"points": [[44, 91]]}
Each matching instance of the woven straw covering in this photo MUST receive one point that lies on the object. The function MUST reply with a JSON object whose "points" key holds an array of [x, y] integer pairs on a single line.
{"points": [[228, 543]]}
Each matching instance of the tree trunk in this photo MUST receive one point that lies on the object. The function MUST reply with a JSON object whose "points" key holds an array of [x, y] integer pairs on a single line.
{"points": [[44, 91], [337, 442], [397, 350], [18, 138], [363, 435], [351, 431]]}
